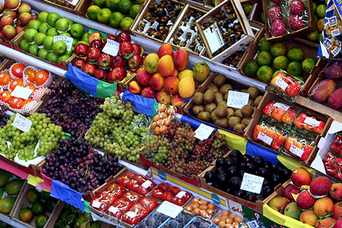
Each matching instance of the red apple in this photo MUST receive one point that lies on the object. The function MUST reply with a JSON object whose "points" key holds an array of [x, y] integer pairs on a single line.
{"points": [[94, 36], [11, 4], [18, 29], [117, 74], [126, 48], [8, 32], [34, 16], [8, 12], [100, 74], [103, 60], [134, 87], [118, 61], [24, 7], [143, 77], [143, 57], [124, 36], [134, 62], [110, 37], [89, 68], [136, 49], [78, 62], [93, 54], [6, 20], [148, 92], [81, 50], [97, 44], [24, 18]]}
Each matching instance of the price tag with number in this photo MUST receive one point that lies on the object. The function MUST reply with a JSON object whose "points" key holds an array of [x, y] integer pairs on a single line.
{"points": [[203, 132], [214, 37], [22, 92], [237, 99], [251, 183], [111, 47], [169, 209], [66, 39], [22, 123]]}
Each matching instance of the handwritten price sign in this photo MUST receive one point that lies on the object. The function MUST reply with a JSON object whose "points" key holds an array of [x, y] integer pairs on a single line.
{"points": [[22, 123], [203, 132], [67, 40], [169, 209], [111, 47], [251, 183], [237, 99]]}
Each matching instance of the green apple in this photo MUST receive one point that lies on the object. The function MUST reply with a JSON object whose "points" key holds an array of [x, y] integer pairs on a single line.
{"points": [[39, 38], [48, 42], [100, 3], [24, 45], [64, 58], [52, 32], [65, 34], [51, 57], [74, 42], [29, 34], [112, 4], [52, 18], [103, 15], [70, 22], [77, 31], [34, 24], [82, 42], [43, 28], [115, 18], [33, 49], [42, 53], [92, 12], [85, 37], [59, 47], [62, 24], [42, 16]]}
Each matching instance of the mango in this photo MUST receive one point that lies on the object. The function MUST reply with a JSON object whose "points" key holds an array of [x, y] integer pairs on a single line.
{"points": [[166, 66], [308, 217], [151, 63], [201, 71], [325, 222], [176, 100], [279, 203], [186, 87], [165, 49], [334, 71], [322, 90], [171, 85], [180, 59], [163, 97], [323, 206], [292, 210], [335, 99]]}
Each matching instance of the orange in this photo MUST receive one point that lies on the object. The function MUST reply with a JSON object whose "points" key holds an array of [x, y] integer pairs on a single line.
{"points": [[41, 77], [25, 214], [30, 74], [15, 82], [5, 78]]}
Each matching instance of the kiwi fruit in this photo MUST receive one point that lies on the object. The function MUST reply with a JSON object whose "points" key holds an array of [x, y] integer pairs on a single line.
{"points": [[218, 97], [226, 96], [222, 122], [257, 101], [238, 113], [219, 80], [250, 102], [213, 87], [246, 120], [230, 112], [210, 107], [204, 116], [243, 90], [253, 92], [213, 116], [239, 128], [221, 111], [208, 97], [197, 109], [223, 103], [225, 88], [247, 110], [234, 120], [198, 98]]}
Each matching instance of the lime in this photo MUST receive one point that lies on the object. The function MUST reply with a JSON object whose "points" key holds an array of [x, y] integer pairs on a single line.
{"points": [[280, 62], [295, 54], [308, 64], [320, 24], [115, 19], [100, 3], [247, 9], [320, 10], [133, 11], [278, 49], [25, 214], [313, 36], [250, 68], [41, 221], [124, 6], [264, 58], [38, 208], [32, 195], [262, 17], [103, 15], [319, 37], [112, 4], [92, 12], [294, 68], [314, 5], [126, 23], [264, 73], [264, 45]]}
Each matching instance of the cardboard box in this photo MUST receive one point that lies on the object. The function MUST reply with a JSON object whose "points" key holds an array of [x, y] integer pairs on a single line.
{"points": [[257, 117], [311, 24], [245, 33], [80, 8], [23, 202]]}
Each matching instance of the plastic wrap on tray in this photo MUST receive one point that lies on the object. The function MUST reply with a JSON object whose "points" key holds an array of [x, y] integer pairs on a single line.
{"points": [[181, 220], [269, 135], [298, 147], [198, 222], [172, 194], [202, 208], [308, 125], [279, 114], [153, 220], [163, 118], [226, 219]]}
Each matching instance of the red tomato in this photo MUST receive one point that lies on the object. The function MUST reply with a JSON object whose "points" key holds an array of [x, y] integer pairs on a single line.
{"points": [[163, 186], [157, 193], [130, 174], [131, 196], [167, 196], [130, 218], [109, 200], [5, 96], [17, 70], [178, 201], [102, 195], [5, 78], [123, 204], [16, 102], [14, 83], [123, 181], [140, 178], [117, 189], [140, 210], [133, 185], [41, 77], [174, 190], [142, 190], [149, 203], [96, 203]]}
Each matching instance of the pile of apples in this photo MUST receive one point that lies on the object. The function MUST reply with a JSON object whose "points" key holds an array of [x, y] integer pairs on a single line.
{"points": [[92, 60], [15, 16], [164, 77], [316, 202]]}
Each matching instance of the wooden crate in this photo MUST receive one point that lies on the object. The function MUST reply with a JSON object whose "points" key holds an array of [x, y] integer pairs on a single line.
{"points": [[80, 8]]}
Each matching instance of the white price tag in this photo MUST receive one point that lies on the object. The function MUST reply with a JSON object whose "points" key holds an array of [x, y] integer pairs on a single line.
{"points": [[66, 39], [203, 131], [131, 214], [169, 209], [235, 207], [73, 2], [146, 184], [214, 37], [111, 47], [281, 83], [22, 92], [281, 105], [265, 138], [22, 123], [96, 204], [113, 209], [311, 121], [180, 194], [155, 25], [237, 99], [252, 183], [296, 150]]}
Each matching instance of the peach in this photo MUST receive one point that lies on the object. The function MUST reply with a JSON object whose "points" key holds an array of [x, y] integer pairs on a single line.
{"points": [[171, 85], [165, 49], [336, 191], [180, 59], [323, 206], [177, 100], [8, 12], [338, 224], [163, 97], [325, 222], [148, 92], [337, 210], [301, 176], [166, 66], [134, 87], [143, 77], [305, 200], [151, 63], [320, 186], [308, 217], [279, 203], [157, 81], [289, 190]]}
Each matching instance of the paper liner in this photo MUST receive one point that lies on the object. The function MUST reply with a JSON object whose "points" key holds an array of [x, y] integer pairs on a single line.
{"points": [[39, 93], [5, 87], [10, 70], [28, 107], [25, 77], [3, 103], [1, 89]]}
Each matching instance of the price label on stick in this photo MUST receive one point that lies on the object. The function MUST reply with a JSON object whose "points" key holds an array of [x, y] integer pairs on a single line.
{"points": [[22, 123], [169, 209], [203, 132], [111, 47], [251, 183], [67, 40], [237, 99]]}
